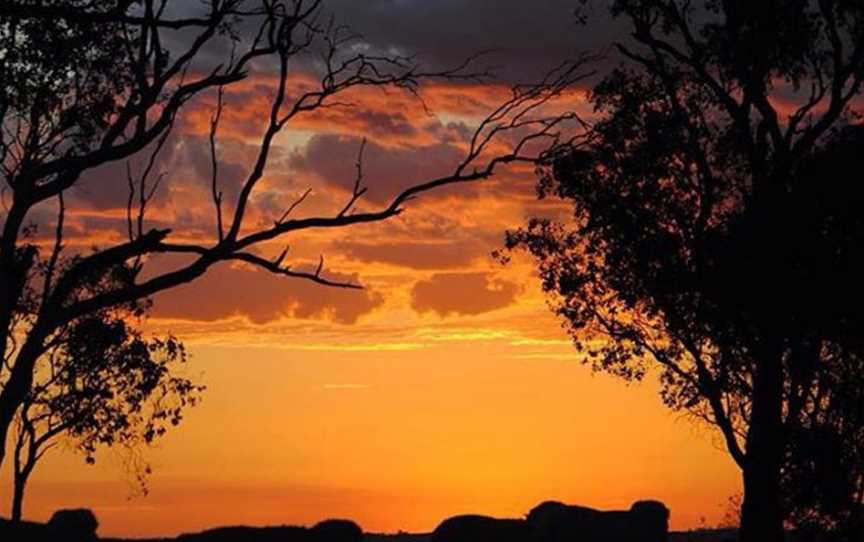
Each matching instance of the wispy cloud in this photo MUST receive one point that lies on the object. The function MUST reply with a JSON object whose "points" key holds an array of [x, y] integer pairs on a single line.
{"points": [[346, 386]]}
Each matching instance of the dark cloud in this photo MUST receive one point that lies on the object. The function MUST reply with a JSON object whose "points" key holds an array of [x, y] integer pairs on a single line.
{"points": [[529, 37], [182, 199], [184, 158], [226, 291], [463, 293], [525, 38], [416, 255], [386, 171], [392, 124], [231, 175], [107, 187]]}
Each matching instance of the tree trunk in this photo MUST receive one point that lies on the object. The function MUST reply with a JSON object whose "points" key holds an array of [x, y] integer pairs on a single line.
{"points": [[18, 384], [18, 499], [14, 266], [761, 512]]}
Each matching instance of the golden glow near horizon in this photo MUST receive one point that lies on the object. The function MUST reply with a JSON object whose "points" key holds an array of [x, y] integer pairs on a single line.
{"points": [[445, 387], [400, 437]]}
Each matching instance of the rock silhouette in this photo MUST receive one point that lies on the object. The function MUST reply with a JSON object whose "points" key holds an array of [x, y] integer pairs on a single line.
{"points": [[331, 530], [476, 528], [551, 521], [77, 525], [336, 530], [646, 521], [249, 534]]}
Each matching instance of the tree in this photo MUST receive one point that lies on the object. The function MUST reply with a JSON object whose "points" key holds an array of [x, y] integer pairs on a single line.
{"points": [[90, 82], [714, 236], [101, 383], [823, 478]]}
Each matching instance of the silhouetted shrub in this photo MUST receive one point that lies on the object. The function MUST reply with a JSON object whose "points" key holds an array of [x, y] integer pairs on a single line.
{"points": [[336, 530], [25, 530], [652, 517], [552, 521], [474, 528], [73, 525], [249, 534], [646, 521]]}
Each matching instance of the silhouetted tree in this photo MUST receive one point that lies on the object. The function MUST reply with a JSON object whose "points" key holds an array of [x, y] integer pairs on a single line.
{"points": [[823, 477], [90, 82], [101, 384], [717, 226]]}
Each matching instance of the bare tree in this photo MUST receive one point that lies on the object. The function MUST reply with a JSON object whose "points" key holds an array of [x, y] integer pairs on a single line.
{"points": [[88, 82]]}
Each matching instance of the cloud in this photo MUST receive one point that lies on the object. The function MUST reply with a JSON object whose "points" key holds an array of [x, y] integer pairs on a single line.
{"points": [[463, 293], [527, 37], [389, 115], [454, 228], [386, 172], [107, 187], [226, 291], [415, 255]]}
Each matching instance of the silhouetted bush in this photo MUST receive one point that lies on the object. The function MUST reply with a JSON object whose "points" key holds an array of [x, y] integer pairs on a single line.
{"points": [[475, 528], [646, 521], [336, 530], [249, 534], [653, 517], [77, 525], [25, 530], [552, 521], [331, 530]]}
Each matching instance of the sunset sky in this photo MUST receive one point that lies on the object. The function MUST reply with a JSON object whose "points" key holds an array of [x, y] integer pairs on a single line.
{"points": [[446, 386]]}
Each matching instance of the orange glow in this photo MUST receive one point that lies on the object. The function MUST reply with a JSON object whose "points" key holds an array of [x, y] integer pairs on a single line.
{"points": [[399, 434]]}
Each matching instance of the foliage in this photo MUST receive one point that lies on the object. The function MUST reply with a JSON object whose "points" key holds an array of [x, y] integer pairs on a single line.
{"points": [[102, 384], [824, 474], [72, 79], [712, 238], [108, 386]]}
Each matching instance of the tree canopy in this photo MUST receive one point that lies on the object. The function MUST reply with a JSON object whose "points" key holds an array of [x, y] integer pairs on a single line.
{"points": [[716, 225], [102, 384]]}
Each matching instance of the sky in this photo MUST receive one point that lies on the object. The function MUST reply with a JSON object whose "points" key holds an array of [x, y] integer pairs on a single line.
{"points": [[446, 385]]}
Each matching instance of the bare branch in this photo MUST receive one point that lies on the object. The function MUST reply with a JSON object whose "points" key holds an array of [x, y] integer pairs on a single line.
{"points": [[58, 247], [214, 163], [358, 190], [293, 206], [508, 119], [275, 268]]}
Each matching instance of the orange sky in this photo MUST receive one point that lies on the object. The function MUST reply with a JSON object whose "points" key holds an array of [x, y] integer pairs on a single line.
{"points": [[444, 387]]}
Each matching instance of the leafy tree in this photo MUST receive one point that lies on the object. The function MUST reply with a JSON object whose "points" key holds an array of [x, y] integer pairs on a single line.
{"points": [[823, 478], [85, 83], [717, 229], [101, 385]]}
